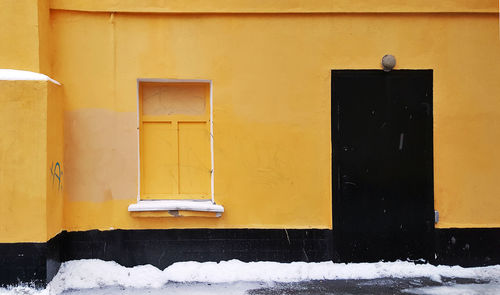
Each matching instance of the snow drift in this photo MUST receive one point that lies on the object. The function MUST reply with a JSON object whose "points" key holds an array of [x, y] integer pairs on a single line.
{"points": [[93, 273], [82, 274]]}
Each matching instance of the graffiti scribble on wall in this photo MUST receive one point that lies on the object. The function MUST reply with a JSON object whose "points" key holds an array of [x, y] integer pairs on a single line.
{"points": [[57, 173]]}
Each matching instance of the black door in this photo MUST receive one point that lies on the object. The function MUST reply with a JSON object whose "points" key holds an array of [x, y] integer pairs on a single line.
{"points": [[383, 199]]}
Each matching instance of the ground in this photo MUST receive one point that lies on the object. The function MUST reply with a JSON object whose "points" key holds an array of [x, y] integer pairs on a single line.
{"points": [[422, 286]]}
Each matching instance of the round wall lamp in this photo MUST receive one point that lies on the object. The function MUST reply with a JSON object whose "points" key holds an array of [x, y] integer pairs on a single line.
{"points": [[388, 62]]}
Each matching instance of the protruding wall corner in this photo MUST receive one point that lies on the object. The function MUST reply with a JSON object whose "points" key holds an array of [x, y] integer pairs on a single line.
{"points": [[54, 256], [23, 115], [55, 160]]}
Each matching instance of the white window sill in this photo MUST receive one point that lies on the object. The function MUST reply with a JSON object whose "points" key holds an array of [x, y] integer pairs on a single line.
{"points": [[174, 206]]}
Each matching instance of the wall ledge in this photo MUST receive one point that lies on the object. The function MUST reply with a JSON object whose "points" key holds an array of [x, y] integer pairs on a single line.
{"points": [[174, 206], [295, 6]]}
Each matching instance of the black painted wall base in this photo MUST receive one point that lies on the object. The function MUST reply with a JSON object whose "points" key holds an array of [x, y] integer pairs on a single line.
{"points": [[467, 246], [161, 248], [37, 263], [23, 263], [30, 263]]}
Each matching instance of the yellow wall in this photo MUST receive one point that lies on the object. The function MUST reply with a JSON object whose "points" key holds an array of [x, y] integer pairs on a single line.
{"points": [[44, 62], [271, 94], [278, 6], [271, 77], [22, 154], [32, 124], [31, 116], [19, 36], [24, 31], [54, 160]]}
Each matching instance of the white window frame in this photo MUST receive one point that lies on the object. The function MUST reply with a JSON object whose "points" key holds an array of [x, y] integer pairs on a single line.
{"points": [[167, 205]]}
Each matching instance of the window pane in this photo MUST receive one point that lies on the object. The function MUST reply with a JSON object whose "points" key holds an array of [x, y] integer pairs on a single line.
{"points": [[160, 175], [194, 158], [174, 98]]}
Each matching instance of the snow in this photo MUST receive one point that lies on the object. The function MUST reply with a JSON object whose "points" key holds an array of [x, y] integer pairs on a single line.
{"points": [[465, 289], [24, 290], [93, 273], [18, 75]]}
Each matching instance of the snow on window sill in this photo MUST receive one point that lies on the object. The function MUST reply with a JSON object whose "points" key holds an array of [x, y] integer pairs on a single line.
{"points": [[176, 208]]}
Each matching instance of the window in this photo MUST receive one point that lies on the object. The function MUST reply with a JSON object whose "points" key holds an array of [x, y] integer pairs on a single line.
{"points": [[175, 141]]}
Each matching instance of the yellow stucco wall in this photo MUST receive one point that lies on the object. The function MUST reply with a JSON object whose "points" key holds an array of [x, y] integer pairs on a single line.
{"points": [[278, 6], [270, 67], [31, 186], [54, 160], [24, 31], [44, 50], [31, 116], [271, 77], [22, 154], [19, 34]]}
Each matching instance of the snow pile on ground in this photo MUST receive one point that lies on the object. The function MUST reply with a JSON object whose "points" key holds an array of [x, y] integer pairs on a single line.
{"points": [[18, 75], [466, 289], [23, 290], [234, 270], [93, 273], [84, 274]]}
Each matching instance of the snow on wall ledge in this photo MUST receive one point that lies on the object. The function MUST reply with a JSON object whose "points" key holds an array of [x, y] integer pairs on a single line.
{"points": [[93, 273], [18, 75]]}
